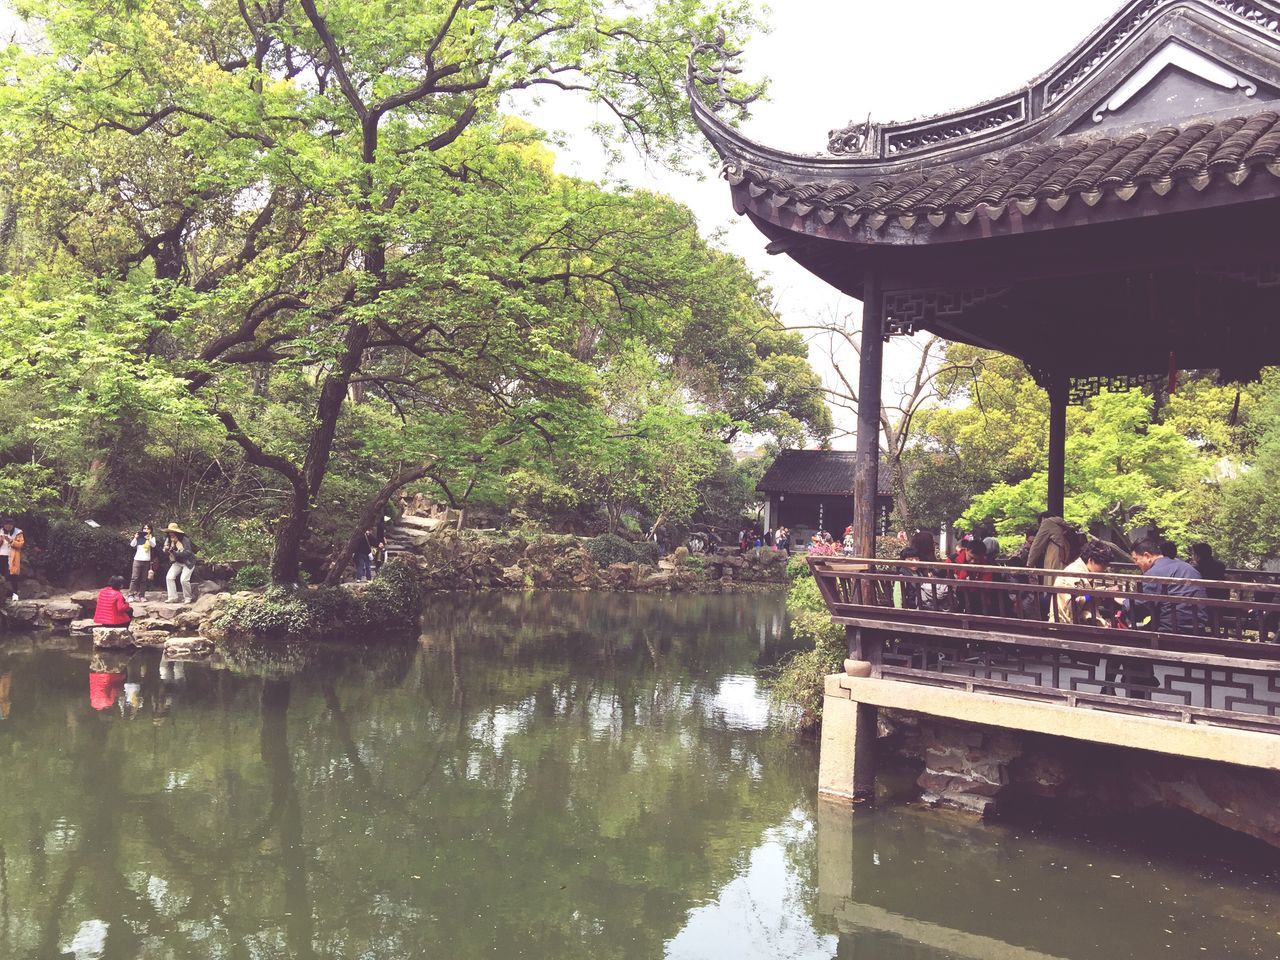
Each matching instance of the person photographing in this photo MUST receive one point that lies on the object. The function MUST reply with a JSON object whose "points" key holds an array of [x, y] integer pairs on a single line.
{"points": [[182, 563], [143, 543]]}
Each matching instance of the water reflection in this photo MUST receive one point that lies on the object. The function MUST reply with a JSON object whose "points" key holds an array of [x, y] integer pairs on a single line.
{"points": [[559, 776]]}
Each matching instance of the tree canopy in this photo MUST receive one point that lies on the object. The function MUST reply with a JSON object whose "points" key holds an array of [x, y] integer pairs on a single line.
{"points": [[314, 234]]}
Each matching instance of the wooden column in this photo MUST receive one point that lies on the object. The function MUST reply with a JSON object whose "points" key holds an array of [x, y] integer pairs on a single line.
{"points": [[1058, 384], [866, 474]]}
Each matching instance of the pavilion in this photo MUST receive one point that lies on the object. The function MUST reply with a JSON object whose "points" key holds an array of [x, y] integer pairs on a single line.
{"points": [[808, 491], [1109, 223]]}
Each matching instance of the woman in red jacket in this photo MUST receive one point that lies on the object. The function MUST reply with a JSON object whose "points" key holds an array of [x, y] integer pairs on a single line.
{"points": [[113, 609]]}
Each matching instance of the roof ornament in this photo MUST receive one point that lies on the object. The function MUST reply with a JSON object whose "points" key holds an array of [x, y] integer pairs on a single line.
{"points": [[857, 138], [713, 66]]}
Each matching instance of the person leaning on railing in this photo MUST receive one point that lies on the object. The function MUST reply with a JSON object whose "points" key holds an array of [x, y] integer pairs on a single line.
{"points": [[1073, 607], [1167, 616]]}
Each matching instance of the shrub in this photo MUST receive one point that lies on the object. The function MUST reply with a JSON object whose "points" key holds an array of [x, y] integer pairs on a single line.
{"points": [[646, 552], [798, 566], [74, 547], [391, 602], [609, 548], [275, 615], [250, 577], [798, 683]]}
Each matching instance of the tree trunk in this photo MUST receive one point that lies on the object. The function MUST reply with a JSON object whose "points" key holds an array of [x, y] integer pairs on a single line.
{"points": [[368, 520]]}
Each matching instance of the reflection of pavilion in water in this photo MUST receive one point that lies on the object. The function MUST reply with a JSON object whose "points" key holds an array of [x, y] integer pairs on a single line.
{"points": [[902, 884]]}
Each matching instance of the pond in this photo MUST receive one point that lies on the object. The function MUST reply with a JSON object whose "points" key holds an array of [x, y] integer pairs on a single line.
{"points": [[543, 776]]}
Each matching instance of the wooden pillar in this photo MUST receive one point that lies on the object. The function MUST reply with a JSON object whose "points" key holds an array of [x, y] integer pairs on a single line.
{"points": [[866, 475], [1058, 384]]}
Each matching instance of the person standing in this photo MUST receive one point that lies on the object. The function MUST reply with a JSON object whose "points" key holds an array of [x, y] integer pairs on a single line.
{"points": [[1168, 617], [182, 563], [143, 544], [366, 551], [1057, 543], [11, 544]]}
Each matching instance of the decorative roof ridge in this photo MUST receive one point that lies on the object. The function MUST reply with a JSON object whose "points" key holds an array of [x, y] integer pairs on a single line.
{"points": [[872, 146], [1225, 145]]}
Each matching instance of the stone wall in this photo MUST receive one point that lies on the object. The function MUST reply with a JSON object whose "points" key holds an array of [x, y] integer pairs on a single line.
{"points": [[986, 771]]}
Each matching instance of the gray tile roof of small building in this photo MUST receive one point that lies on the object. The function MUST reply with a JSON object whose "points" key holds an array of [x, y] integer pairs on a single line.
{"points": [[816, 472]]}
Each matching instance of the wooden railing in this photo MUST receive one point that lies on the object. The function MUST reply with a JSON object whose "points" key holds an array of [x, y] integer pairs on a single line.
{"points": [[1012, 635]]}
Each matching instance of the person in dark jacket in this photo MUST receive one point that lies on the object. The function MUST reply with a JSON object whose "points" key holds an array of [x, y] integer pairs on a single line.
{"points": [[182, 563], [1210, 568], [1169, 617], [1057, 543], [112, 609]]}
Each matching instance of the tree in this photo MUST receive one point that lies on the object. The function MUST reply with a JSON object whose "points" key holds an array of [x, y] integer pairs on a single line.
{"points": [[1122, 469], [988, 424], [286, 197]]}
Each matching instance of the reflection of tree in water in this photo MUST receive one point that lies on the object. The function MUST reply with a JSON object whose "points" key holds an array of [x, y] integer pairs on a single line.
{"points": [[524, 784]]}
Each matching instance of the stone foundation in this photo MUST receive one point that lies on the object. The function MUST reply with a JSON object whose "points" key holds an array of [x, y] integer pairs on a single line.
{"points": [[986, 771]]}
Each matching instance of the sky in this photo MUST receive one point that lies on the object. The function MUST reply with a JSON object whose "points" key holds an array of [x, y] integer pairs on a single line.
{"points": [[830, 62]]}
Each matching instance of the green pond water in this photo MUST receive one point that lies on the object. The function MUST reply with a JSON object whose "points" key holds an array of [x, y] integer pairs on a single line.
{"points": [[552, 776]]}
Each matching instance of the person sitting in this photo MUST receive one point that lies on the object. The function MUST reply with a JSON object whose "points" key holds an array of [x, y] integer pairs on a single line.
{"points": [[1072, 607], [1169, 549], [112, 609], [1210, 568], [1167, 617]]}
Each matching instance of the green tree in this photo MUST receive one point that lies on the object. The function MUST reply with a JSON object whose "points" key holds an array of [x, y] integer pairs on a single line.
{"points": [[288, 187], [1122, 469]]}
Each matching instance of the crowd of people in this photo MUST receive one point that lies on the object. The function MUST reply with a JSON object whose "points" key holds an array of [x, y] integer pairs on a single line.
{"points": [[1055, 545]]}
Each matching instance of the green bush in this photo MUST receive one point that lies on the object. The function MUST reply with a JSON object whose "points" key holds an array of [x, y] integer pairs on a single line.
{"points": [[609, 548], [74, 547], [278, 614], [798, 683], [391, 602], [250, 577], [646, 552], [798, 567]]}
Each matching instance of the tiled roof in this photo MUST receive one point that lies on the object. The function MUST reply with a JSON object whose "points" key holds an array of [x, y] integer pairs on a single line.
{"points": [[1045, 177], [818, 472]]}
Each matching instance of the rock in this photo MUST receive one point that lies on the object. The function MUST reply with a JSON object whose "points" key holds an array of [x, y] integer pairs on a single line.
{"points": [[87, 599], [184, 648], [62, 611], [163, 611], [81, 628], [25, 612], [153, 623], [151, 638], [112, 638], [207, 588]]}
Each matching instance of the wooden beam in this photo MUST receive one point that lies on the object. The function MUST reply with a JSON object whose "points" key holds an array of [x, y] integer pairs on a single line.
{"points": [[1058, 384], [866, 478]]}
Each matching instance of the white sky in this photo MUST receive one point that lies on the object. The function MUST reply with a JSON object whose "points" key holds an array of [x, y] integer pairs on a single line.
{"points": [[833, 61], [830, 62]]}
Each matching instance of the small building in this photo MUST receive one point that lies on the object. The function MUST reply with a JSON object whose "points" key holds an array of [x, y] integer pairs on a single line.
{"points": [[811, 490]]}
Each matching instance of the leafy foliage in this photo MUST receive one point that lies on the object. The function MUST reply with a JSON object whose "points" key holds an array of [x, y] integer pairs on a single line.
{"points": [[250, 577], [74, 547]]}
